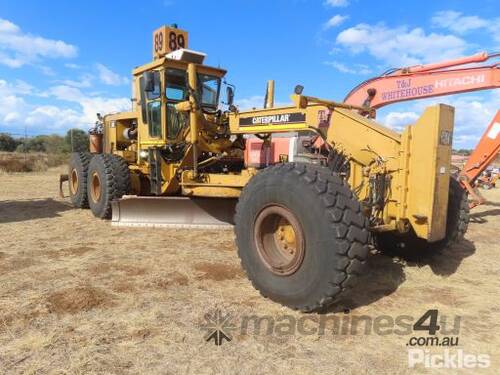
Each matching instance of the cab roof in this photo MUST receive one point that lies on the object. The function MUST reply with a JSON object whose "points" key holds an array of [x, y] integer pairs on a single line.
{"points": [[166, 62]]}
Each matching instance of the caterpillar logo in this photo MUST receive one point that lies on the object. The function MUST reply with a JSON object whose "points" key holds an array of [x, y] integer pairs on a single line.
{"points": [[445, 138], [276, 119]]}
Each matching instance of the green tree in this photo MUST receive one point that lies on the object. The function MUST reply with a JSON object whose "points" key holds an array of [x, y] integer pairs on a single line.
{"points": [[36, 144], [22, 146], [7, 143], [55, 144], [52, 144], [78, 142]]}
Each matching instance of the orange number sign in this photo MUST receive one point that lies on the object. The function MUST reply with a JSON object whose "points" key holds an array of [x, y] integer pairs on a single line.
{"points": [[167, 39]]}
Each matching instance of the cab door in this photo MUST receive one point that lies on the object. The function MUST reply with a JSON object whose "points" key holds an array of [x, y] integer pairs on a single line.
{"points": [[175, 92], [152, 108]]}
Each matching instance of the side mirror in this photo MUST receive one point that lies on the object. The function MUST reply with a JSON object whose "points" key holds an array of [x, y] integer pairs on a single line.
{"points": [[230, 95], [149, 81], [298, 89]]}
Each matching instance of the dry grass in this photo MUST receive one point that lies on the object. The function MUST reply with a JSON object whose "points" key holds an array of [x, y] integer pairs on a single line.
{"points": [[11, 162], [75, 300], [78, 296]]}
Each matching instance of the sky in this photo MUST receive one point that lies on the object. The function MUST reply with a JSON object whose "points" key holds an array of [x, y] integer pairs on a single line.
{"points": [[61, 62]]}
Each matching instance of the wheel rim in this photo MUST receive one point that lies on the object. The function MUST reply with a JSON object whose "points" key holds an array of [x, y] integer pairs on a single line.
{"points": [[95, 187], [279, 240], [74, 182]]}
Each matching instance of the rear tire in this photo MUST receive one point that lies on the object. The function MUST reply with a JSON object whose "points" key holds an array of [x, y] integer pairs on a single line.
{"points": [[457, 223], [108, 179], [77, 178], [122, 175], [316, 216]]}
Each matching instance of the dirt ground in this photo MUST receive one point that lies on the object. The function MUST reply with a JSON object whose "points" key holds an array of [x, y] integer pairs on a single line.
{"points": [[80, 296]]}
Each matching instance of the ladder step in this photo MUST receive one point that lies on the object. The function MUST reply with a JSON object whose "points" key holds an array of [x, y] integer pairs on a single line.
{"points": [[155, 170]]}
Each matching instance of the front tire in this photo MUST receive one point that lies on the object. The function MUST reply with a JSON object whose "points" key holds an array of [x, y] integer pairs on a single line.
{"points": [[301, 236], [108, 179]]}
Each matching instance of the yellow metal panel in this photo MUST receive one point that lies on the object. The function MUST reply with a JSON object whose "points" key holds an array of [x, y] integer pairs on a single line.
{"points": [[122, 116], [218, 179], [215, 185], [169, 172], [130, 156], [211, 191], [363, 139], [429, 172]]}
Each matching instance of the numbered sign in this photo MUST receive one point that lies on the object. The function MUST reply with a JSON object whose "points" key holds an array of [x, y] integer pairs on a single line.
{"points": [[167, 39]]}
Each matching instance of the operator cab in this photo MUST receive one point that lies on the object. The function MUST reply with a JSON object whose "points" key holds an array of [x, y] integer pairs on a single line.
{"points": [[163, 83], [164, 86]]}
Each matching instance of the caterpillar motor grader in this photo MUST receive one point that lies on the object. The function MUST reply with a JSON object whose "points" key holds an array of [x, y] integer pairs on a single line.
{"points": [[302, 229]]}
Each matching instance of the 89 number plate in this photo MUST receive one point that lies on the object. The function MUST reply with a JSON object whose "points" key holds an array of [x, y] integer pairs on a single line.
{"points": [[167, 39]]}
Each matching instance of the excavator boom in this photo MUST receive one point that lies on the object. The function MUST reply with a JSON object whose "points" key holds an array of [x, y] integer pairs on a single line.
{"points": [[484, 153], [426, 81], [425, 84]]}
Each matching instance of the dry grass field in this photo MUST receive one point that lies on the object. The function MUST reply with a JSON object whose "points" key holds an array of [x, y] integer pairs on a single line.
{"points": [[79, 296], [30, 162]]}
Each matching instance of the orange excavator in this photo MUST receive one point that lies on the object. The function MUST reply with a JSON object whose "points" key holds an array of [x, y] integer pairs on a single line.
{"points": [[431, 80]]}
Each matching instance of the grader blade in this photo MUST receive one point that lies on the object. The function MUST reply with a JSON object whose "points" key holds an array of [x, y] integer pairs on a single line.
{"points": [[174, 212]]}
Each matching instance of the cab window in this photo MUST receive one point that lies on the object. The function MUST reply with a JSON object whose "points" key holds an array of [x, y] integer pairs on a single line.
{"points": [[175, 92], [176, 88], [151, 105], [208, 87]]}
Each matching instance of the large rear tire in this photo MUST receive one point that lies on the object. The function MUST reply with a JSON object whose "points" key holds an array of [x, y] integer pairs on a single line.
{"points": [[122, 175], [108, 179], [457, 222], [301, 236], [77, 178]]}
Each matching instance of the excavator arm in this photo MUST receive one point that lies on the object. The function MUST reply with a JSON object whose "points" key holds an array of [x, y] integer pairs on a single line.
{"points": [[484, 153], [426, 81]]}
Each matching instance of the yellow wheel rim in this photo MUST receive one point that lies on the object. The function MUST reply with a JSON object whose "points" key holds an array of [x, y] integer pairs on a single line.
{"points": [[95, 187]]}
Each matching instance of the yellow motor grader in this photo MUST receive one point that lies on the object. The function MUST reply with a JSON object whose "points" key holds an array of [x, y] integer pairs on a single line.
{"points": [[303, 229]]}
